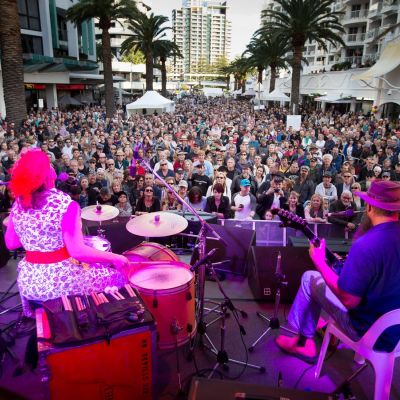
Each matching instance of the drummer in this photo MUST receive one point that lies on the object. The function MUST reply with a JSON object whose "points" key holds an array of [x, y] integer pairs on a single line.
{"points": [[47, 224]]}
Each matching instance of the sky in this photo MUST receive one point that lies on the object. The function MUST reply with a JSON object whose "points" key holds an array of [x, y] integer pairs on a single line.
{"points": [[244, 15]]}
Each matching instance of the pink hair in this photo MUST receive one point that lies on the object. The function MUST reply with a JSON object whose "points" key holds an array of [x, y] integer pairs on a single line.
{"points": [[28, 175]]}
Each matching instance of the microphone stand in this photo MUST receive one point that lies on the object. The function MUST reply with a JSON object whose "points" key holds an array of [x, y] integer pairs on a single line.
{"points": [[273, 322]]}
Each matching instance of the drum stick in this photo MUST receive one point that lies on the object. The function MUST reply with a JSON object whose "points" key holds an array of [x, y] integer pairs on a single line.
{"points": [[114, 295], [78, 306], [81, 303], [96, 302], [65, 305], [119, 295], [104, 298], [129, 290]]}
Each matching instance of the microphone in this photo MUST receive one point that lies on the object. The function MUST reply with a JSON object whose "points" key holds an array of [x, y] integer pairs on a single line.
{"points": [[347, 213], [278, 269], [98, 208], [203, 260]]}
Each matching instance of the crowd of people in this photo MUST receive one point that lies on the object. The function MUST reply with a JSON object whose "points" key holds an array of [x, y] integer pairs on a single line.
{"points": [[218, 154]]}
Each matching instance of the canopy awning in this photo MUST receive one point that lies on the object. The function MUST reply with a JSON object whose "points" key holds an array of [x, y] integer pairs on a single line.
{"points": [[333, 99], [388, 61], [275, 95]]}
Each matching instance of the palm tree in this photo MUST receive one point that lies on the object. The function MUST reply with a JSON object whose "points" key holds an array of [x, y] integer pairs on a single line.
{"points": [[106, 11], [240, 68], [11, 62], [266, 52], [147, 30], [164, 49], [299, 21]]}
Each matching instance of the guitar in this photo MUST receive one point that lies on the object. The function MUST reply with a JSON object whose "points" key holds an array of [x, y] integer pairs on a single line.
{"points": [[291, 220]]}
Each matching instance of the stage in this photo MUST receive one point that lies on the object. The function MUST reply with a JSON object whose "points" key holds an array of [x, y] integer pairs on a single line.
{"points": [[295, 373]]}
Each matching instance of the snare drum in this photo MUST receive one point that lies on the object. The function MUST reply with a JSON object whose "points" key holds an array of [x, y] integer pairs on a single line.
{"points": [[149, 251], [167, 289], [97, 242]]}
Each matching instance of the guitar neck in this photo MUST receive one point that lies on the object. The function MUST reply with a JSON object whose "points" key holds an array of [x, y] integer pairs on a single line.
{"points": [[330, 256]]}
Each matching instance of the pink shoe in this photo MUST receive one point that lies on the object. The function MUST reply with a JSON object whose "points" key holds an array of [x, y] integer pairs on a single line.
{"points": [[306, 353]]}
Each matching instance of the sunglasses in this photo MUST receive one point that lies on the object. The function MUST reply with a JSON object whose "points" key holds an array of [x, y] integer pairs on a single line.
{"points": [[149, 190]]}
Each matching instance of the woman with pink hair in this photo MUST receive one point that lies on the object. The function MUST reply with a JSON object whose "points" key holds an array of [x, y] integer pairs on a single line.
{"points": [[46, 223]]}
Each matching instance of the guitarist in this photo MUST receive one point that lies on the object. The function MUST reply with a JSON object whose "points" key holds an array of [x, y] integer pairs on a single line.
{"points": [[367, 287]]}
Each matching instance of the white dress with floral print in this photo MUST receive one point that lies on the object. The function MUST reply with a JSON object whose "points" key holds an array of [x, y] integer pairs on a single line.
{"points": [[40, 230]]}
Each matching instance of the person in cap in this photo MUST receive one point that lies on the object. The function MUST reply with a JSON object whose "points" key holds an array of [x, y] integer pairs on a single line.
{"points": [[326, 189], [274, 197], [244, 203], [367, 287], [303, 185], [246, 174], [47, 223], [182, 189]]}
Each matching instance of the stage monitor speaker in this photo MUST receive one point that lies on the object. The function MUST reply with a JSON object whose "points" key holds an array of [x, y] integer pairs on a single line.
{"points": [[237, 251], [337, 245], [217, 389], [116, 233], [262, 266]]}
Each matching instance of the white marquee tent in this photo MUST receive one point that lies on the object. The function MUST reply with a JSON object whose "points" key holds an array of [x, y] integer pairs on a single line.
{"points": [[150, 103], [275, 95]]}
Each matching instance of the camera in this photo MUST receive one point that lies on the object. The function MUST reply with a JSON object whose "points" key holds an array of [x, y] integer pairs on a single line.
{"points": [[276, 190], [241, 206]]}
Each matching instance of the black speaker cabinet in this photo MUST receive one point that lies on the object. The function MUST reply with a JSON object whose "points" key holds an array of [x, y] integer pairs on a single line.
{"points": [[217, 389], [262, 266], [236, 252]]}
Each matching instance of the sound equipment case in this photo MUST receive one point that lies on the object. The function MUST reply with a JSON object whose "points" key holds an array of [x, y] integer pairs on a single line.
{"points": [[121, 368]]}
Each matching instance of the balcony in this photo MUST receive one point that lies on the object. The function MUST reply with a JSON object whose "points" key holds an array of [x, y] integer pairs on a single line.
{"points": [[355, 38], [373, 33], [375, 13], [355, 17], [390, 7]]}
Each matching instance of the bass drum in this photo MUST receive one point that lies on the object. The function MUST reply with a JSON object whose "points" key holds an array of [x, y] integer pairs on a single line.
{"points": [[150, 251]]}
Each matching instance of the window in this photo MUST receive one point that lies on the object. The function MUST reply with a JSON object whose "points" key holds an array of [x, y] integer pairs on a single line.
{"points": [[32, 44], [62, 25], [29, 17]]}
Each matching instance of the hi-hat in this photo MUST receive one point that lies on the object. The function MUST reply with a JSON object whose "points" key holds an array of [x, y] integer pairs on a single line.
{"points": [[157, 224], [99, 213]]}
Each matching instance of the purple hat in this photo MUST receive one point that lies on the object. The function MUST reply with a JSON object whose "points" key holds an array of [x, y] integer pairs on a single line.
{"points": [[382, 194]]}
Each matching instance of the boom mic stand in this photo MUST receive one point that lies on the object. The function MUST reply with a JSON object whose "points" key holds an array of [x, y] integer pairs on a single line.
{"points": [[273, 322], [205, 227]]}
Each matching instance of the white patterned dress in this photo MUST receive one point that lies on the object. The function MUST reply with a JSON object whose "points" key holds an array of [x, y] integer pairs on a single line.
{"points": [[40, 230]]}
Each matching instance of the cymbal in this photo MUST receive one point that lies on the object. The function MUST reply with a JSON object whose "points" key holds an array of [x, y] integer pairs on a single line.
{"points": [[157, 224], [99, 213]]}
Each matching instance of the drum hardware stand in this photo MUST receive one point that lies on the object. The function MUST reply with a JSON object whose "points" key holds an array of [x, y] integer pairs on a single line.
{"points": [[201, 328], [273, 322], [222, 355], [100, 231]]}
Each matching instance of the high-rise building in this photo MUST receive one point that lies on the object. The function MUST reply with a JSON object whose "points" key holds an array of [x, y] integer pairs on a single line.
{"points": [[202, 31], [367, 24], [365, 71]]}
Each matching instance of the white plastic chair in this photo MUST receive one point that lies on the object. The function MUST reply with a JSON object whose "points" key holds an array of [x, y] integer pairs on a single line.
{"points": [[383, 363]]}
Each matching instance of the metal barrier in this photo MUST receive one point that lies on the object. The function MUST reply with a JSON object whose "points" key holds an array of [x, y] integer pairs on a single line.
{"points": [[270, 233]]}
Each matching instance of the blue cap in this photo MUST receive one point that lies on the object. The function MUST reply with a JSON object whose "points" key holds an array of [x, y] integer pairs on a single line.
{"points": [[245, 182]]}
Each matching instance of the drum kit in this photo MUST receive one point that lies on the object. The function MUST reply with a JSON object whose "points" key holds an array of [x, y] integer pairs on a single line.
{"points": [[172, 291]]}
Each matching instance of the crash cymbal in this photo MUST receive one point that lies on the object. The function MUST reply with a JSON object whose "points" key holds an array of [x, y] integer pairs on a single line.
{"points": [[157, 224], [99, 213]]}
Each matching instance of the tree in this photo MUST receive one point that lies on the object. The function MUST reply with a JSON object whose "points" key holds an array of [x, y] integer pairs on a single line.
{"points": [[264, 52], [11, 62], [106, 11], [147, 30], [164, 49], [134, 57], [299, 21], [240, 68]]}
